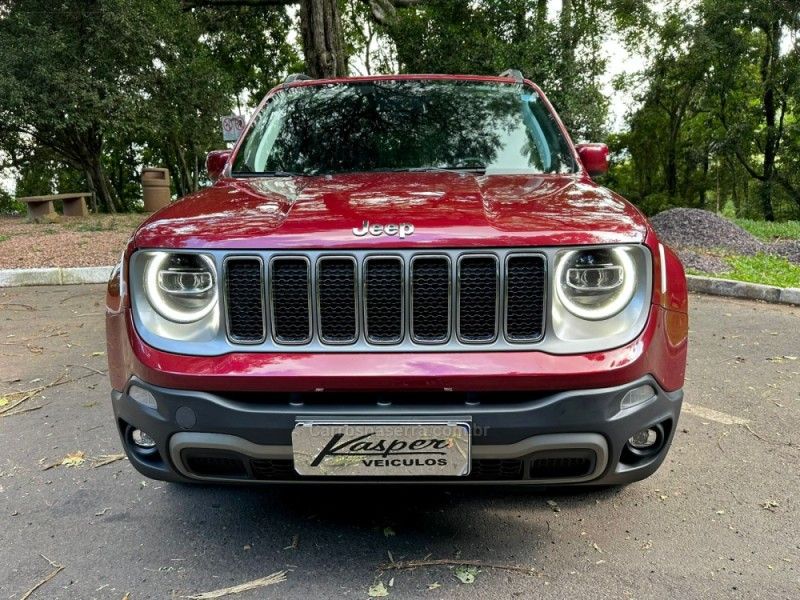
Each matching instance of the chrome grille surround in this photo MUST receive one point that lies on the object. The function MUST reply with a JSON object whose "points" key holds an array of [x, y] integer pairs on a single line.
{"points": [[222, 343]]}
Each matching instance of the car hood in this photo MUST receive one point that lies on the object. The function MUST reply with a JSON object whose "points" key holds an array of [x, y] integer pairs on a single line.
{"points": [[446, 209]]}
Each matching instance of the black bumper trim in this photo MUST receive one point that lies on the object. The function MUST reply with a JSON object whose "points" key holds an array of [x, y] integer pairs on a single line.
{"points": [[499, 430]]}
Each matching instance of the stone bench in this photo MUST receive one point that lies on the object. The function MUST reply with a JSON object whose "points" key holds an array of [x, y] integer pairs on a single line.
{"points": [[74, 204]]}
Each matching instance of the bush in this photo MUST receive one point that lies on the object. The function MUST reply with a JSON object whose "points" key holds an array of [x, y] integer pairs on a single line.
{"points": [[9, 205], [655, 203], [729, 210]]}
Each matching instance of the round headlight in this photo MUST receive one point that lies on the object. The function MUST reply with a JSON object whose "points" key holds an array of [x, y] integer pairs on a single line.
{"points": [[595, 284], [181, 287]]}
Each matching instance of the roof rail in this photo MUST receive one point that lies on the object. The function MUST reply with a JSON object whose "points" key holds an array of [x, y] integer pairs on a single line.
{"points": [[291, 78], [515, 74]]}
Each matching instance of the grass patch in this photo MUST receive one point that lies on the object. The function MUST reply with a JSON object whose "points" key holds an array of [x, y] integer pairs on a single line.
{"points": [[761, 268], [769, 231], [3, 238]]}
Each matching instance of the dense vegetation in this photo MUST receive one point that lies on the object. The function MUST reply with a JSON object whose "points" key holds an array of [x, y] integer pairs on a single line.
{"points": [[92, 90]]}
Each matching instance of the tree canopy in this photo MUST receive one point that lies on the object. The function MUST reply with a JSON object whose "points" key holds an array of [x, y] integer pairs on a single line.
{"points": [[93, 90]]}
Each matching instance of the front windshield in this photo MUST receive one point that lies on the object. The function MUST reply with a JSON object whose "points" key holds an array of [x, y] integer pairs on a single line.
{"points": [[400, 125]]}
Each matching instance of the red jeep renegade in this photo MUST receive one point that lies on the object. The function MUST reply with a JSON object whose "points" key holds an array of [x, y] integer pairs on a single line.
{"points": [[402, 278]]}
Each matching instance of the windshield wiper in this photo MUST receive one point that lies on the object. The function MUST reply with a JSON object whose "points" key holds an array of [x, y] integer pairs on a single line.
{"points": [[266, 174], [448, 169]]}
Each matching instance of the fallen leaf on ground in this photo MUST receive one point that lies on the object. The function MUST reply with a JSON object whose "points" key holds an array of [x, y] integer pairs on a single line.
{"points": [[554, 505], [465, 574], [278, 577], [770, 505], [378, 591], [74, 459], [98, 353], [4, 401], [434, 585]]}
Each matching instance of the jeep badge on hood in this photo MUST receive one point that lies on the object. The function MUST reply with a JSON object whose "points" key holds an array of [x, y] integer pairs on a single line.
{"points": [[403, 229]]}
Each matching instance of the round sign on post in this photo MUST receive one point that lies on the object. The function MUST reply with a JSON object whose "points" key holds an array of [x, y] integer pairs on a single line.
{"points": [[232, 127]]}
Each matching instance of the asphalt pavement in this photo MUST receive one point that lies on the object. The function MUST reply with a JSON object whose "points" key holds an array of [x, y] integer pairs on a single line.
{"points": [[719, 520]]}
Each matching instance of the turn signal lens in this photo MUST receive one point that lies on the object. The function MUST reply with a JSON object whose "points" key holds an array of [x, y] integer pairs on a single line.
{"points": [[143, 397], [636, 396]]}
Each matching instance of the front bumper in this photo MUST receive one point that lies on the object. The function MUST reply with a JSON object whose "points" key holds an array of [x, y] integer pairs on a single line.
{"points": [[535, 438]]}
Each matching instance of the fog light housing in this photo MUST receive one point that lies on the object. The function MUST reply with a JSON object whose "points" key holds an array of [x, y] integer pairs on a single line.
{"points": [[142, 440], [143, 397], [644, 439], [637, 396]]}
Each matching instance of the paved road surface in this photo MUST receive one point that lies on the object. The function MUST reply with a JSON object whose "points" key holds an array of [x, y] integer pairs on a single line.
{"points": [[719, 520]]}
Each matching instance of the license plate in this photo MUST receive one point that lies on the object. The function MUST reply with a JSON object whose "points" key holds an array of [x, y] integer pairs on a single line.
{"points": [[399, 449]]}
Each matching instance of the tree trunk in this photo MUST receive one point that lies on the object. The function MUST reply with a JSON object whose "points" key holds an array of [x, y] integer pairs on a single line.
{"points": [[672, 170], [769, 106], [541, 13], [323, 47], [101, 186]]}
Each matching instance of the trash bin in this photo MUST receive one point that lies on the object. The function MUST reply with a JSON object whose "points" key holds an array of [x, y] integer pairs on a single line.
{"points": [[155, 185]]}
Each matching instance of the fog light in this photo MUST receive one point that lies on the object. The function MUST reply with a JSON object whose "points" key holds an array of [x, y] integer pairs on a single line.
{"points": [[636, 396], [143, 397], [142, 440], [644, 439]]}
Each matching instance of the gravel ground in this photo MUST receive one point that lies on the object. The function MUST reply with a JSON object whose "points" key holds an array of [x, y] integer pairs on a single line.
{"points": [[693, 232], [72, 242]]}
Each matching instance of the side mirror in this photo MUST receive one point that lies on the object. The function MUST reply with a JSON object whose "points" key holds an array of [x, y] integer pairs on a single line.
{"points": [[215, 163], [594, 158]]}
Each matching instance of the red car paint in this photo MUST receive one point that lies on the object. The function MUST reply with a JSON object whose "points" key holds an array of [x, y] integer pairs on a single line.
{"points": [[449, 210]]}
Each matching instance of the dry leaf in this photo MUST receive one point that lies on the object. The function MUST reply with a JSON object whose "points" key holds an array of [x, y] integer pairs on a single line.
{"points": [[378, 591], [74, 459], [434, 585], [466, 574], [98, 353]]}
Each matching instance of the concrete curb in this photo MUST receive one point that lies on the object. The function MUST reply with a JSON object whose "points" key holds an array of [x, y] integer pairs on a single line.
{"points": [[54, 276], [741, 289]]}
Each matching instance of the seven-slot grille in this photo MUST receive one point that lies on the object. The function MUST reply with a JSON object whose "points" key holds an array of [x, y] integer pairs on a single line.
{"points": [[453, 299]]}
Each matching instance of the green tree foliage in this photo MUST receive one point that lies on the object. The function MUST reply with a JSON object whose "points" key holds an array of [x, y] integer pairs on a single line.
{"points": [[103, 87], [490, 36], [717, 115], [70, 73]]}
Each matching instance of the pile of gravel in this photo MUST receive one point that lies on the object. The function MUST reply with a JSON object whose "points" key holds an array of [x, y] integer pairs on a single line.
{"points": [[692, 232]]}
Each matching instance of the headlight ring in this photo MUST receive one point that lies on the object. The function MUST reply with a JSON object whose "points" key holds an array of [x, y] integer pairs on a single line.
{"points": [[595, 284], [181, 287]]}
